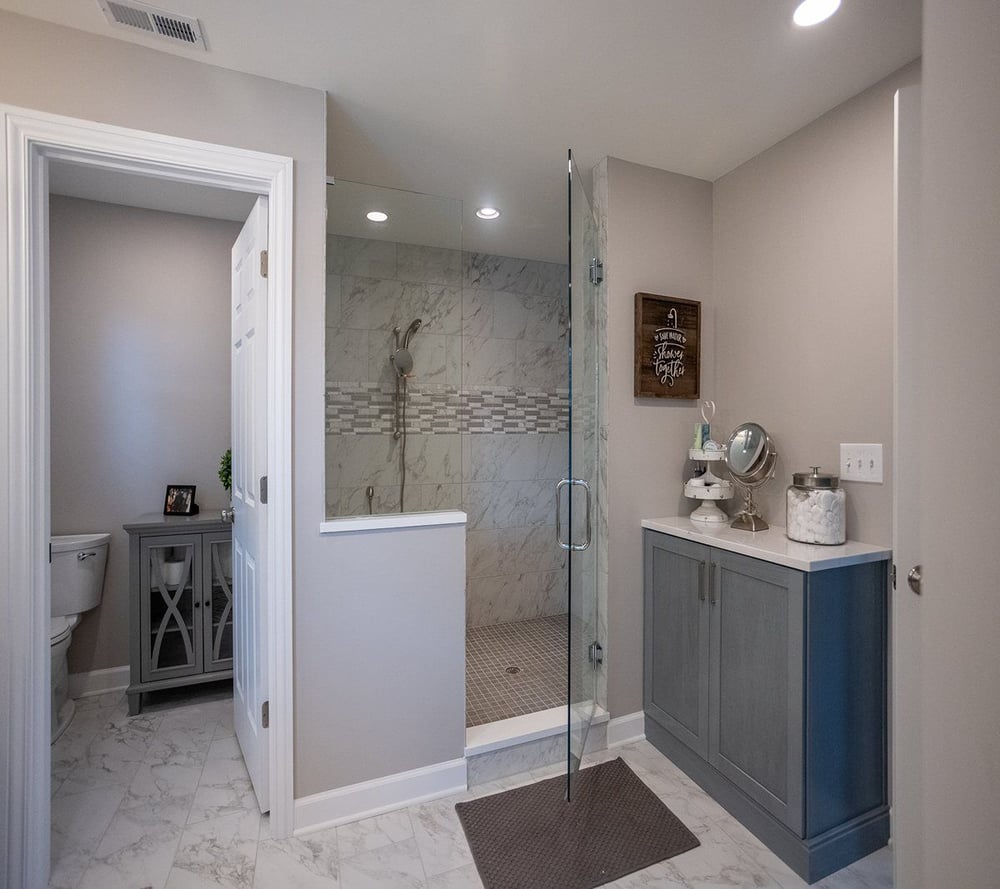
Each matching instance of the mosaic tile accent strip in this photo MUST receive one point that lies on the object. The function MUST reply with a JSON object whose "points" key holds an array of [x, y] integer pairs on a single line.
{"points": [[367, 409], [536, 648]]}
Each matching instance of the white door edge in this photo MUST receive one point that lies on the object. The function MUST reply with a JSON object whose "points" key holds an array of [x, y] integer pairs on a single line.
{"points": [[28, 140]]}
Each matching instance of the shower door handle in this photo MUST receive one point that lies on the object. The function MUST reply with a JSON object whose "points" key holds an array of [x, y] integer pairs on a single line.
{"points": [[569, 545]]}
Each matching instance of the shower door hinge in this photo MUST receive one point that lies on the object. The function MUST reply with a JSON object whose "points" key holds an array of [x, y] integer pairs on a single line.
{"points": [[263, 263], [596, 271], [596, 654], [265, 716]]}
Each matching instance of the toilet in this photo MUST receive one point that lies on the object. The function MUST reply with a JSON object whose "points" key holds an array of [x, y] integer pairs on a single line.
{"points": [[78, 563]]}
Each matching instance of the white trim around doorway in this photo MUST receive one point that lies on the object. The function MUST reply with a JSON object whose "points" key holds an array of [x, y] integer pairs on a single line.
{"points": [[28, 141]]}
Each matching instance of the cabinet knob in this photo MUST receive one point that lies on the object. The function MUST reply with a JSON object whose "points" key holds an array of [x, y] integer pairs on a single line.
{"points": [[197, 604]]}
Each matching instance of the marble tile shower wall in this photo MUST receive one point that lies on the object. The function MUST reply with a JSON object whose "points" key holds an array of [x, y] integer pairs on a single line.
{"points": [[487, 412]]}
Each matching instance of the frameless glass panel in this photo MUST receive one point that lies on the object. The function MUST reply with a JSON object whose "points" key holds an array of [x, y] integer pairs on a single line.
{"points": [[218, 605], [393, 351], [169, 625], [584, 293]]}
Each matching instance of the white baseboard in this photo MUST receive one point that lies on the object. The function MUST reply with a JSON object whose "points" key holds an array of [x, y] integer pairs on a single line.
{"points": [[98, 682], [357, 801], [626, 729]]}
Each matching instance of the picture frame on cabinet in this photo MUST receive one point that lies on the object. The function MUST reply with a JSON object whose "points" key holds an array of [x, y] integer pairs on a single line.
{"points": [[179, 500]]}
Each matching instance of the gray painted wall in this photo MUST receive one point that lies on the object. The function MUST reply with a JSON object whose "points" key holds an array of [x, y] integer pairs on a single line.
{"points": [[659, 236], [957, 385], [337, 712], [804, 284], [139, 334]]}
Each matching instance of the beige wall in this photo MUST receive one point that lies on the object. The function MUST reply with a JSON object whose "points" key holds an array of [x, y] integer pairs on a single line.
{"points": [[957, 387], [804, 284], [139, 376], [349, 696], [659, 231]]}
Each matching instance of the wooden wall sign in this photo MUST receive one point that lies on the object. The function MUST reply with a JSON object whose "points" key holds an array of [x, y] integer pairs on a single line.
{"points": [[667, 347]]}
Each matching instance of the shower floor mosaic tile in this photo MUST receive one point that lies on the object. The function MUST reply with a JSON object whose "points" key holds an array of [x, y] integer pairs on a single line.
{"points": [[514, 668], [161, 800]]}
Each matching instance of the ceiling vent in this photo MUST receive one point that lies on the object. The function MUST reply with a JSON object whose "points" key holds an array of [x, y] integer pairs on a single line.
{"points": [[155, 22]]}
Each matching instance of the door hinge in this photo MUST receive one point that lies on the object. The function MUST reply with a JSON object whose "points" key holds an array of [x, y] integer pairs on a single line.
{"points": [[263, 263], [596, 271], [265, 715], [894, 576], [595, 653], [263, 489]]}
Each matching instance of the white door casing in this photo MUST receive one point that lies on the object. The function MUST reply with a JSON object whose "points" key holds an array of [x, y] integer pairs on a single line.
{"points": [[28, 141], [907, 758], [249, 422]]}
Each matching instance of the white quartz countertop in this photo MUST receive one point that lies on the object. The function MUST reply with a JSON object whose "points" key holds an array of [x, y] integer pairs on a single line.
{"points": [[771, 545]]}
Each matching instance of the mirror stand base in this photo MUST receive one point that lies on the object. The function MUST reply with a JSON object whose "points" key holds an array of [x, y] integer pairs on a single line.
{"points": [[749, 522]]}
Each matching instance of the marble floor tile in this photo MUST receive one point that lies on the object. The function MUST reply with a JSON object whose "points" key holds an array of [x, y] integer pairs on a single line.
{"points": [[180, 745], [309, 862], [163, 800], [136, 851], [224, 787], [391, 867], [221, 852], [373, 833], [876, 869], [78, 824], [466, 877], [440, 838]]}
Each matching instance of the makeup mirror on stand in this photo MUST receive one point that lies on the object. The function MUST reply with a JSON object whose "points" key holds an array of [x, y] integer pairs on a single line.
{"points": [[750, 459]]}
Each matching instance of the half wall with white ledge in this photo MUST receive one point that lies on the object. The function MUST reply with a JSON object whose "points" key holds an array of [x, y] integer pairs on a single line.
{"points": [[393, 627]]}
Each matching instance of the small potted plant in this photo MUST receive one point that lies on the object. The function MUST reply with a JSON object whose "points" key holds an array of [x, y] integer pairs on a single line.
{"points": [[226, 469], [226, 477]]}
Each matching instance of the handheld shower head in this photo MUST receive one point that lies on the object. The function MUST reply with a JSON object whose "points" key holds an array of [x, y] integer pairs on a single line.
{"points": [[412, 329]]}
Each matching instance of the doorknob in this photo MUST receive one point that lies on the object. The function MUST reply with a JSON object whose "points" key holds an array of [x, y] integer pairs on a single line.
{"points": [[913, 578], [228, 515]]}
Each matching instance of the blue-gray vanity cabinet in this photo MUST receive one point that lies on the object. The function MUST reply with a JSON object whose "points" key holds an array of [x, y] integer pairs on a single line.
{"points": [[181, 603], [767, 685]]}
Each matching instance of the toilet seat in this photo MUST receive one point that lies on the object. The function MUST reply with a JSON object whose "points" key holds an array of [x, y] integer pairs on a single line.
{"points": [[60, 629]]}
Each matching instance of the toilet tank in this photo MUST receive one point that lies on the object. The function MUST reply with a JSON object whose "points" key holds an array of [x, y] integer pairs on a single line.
{"points": [[78, 563]]}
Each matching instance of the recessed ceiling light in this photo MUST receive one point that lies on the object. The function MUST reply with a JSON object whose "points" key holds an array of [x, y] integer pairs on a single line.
{"points": [[488, 213], [812, 12], [377, 216]]}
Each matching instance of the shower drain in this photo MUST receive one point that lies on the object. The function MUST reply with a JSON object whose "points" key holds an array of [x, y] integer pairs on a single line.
{"points": [[513, 670]]}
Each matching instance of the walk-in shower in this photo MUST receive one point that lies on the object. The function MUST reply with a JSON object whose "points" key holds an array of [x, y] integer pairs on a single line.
{"points": [[402, 363], [448, 387]]}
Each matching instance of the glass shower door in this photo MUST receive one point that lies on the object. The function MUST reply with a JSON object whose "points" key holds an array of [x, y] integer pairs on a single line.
{"points": [[585, 275]]}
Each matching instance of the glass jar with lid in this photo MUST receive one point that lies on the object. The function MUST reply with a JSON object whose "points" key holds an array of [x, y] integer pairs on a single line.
{"points": [[816, 508]]}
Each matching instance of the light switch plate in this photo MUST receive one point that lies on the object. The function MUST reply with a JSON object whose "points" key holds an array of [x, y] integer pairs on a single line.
{"points": [[861, 463]]}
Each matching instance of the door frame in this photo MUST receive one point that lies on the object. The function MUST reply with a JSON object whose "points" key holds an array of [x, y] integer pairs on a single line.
{"points": [[28, 141]]}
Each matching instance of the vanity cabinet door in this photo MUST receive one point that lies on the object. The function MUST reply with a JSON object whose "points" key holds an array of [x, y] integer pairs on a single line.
{"points": [[170, 607], [676, 684], [217, 601], [756, 732]]}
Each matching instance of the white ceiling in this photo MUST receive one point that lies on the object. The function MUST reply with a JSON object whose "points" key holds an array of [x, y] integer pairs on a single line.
{"points": [[479, 99], [112, 187]]}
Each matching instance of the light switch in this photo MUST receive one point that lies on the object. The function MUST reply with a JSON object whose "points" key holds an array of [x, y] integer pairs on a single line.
{"points": [[861, 463]]}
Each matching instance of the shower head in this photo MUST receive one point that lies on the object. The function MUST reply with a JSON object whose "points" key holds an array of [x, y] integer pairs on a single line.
{"points": [[412, 329]]}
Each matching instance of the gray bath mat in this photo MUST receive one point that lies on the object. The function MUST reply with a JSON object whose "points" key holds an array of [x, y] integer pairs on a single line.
{"points": [[531, 838]]}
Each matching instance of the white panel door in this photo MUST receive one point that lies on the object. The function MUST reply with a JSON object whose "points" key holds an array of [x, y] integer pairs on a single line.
{"points": [[249, 419]]}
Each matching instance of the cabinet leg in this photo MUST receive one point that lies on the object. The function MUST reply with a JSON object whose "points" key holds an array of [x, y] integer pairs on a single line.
{"points": [[134, 703]]}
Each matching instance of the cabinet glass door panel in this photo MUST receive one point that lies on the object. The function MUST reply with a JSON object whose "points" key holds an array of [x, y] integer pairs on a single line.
{"points": [[171, 617], [218, 603]]}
